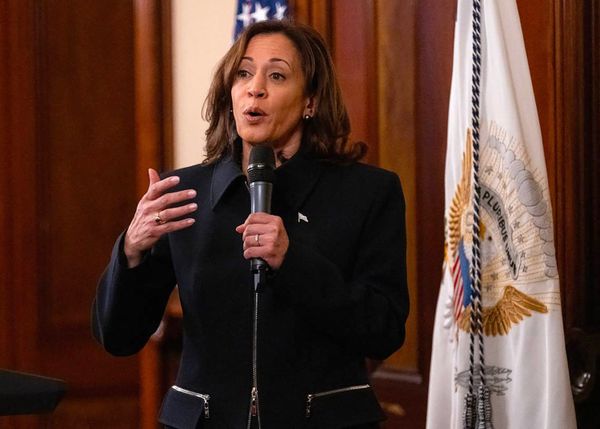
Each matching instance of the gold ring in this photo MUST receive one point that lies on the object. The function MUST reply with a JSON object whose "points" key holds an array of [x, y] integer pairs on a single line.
{"points": [[159, 220], [257, 239]]}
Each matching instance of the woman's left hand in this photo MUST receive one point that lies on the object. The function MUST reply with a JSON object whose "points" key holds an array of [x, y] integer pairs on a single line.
{"points": [[265, 237]]}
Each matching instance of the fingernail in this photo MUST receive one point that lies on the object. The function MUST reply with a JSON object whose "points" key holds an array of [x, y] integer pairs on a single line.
{"points": [[190, 221], [192, 193], [174, 179], [193, 206]]}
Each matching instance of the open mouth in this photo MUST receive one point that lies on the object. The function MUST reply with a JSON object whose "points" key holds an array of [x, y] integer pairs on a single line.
{"points": [[254, 112]]}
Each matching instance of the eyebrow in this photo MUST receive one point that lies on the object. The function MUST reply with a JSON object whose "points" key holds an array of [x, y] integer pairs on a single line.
{"points": [[271, 60]]}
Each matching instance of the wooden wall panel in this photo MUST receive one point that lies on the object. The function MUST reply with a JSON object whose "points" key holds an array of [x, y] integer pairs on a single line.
{"points": [[86, 112], [435, 32], [76, 84], [591, 177], [354, 49], [18, 251], [397, 143], [316, 13]]}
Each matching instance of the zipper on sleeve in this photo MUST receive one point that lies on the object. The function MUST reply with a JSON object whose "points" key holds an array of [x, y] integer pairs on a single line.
{"points": [[205, 399], [311, 396]]}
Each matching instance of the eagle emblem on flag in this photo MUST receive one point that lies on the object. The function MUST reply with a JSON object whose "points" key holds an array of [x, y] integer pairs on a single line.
{"points": [[511, 305]]}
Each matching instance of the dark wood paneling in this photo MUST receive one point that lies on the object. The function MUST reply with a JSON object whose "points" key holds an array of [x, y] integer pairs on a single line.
{"points": [[82, 97], [86, 191], [354, 49], [435, 32], [153, 109], [316, 13], [6, 340], [592, 158], [86, 113], [19, 251], [397, 143]]}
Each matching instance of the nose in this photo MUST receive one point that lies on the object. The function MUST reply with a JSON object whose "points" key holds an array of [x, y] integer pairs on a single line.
{"points": [[256, 87]]}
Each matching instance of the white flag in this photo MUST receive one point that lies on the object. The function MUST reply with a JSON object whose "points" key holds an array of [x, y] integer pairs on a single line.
{"points": [[525, 360]]}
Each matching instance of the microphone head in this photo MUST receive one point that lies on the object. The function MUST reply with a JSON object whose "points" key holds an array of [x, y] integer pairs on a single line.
{"points": [[261, 164]]}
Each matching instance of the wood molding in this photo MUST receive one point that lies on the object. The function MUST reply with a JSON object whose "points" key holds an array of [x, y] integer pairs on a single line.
{"points": [[397, 144], [19, 168], [167, 83], [593, 161], [316, 13], [18, 220], [154, 142], [148, 67], [66, 85], [568, 160], [354, 50], [6, 292], [435, 33]]}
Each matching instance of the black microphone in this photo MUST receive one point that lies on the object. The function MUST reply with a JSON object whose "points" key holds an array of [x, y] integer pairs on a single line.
{"points": [[261, 176]]}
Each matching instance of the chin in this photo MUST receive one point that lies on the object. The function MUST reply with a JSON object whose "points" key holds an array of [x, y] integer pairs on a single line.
{"points": [[254, 139]]}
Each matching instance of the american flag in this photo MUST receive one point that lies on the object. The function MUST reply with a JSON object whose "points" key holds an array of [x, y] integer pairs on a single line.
{"points": [[249, 11]]}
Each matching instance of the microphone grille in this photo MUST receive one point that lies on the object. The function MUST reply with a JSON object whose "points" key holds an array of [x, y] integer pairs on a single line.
{"points": [[261, 164]]}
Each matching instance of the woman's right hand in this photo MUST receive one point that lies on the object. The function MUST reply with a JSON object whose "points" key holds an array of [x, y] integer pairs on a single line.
{"points": [[154, 214]]}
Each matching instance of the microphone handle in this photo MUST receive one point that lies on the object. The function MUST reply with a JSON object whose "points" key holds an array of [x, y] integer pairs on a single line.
{"points": [[260, 201], [260, 197]]}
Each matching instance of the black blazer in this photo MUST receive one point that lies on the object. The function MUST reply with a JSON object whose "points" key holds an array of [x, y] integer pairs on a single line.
{"points": [[339, 296]]}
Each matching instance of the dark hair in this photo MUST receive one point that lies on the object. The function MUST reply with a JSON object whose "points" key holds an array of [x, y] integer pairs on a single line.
{"points": [[325, 136]]}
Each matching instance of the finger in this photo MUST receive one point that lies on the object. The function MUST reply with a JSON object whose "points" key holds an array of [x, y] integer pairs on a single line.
{"points": [[259, 252], [156, 189], [177, 212], [255, 252], [153, 176], [170, 199], [255, 240], [174, 226], [257, 218], [262, 229]]}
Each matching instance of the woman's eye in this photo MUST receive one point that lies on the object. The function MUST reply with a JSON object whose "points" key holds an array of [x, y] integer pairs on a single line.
{"points": [[242, 73], [277, 76]]}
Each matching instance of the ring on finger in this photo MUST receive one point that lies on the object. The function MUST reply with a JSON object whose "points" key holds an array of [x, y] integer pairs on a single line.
{"points": [[159, 220], [257, 239]]}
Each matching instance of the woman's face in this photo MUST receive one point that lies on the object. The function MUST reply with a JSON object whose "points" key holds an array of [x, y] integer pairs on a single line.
{"points": [[268, 94]]}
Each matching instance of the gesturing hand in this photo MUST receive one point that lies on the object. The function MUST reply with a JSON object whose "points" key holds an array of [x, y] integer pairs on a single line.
{"points": [[154, 216], [264, 237]]}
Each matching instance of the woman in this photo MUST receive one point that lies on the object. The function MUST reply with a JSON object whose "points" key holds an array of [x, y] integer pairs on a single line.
{"points": [[291, 355]]}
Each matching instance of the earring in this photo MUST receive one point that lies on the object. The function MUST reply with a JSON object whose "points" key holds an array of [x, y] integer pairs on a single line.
{"points": [[307, 117]]}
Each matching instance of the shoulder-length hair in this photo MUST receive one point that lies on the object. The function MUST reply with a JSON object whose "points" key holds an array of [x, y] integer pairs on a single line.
{"points": [[325, 135]]}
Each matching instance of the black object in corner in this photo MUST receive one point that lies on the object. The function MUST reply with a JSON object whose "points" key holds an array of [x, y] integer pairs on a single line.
{"points": [[22, 393]]}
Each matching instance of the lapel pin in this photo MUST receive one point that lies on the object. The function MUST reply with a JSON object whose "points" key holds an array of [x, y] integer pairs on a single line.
{"points": [[302, 217]]}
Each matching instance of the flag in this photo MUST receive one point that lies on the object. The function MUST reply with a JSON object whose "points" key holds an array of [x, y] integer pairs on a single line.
{"points": [[508, 224], [249, 11]]}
